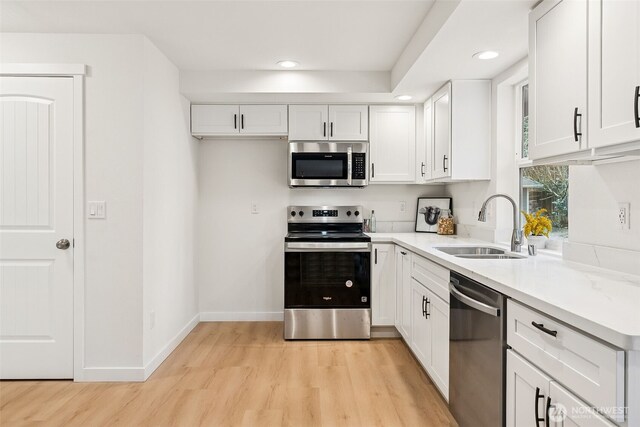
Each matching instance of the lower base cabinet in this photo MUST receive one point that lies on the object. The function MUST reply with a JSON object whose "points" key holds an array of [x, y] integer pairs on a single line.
{"points": [[430, 334], [383, 289], [534, 399]]}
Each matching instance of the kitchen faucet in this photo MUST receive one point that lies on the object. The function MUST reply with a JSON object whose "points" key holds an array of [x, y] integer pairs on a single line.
{"points": [[516, 236]]}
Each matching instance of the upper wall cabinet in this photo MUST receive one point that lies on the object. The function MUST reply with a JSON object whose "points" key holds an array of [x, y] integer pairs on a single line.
{"points": [[459, 132], [393, 144], [424, 152], [229, 120], [614, 72], [328, 122], [558, 78]]}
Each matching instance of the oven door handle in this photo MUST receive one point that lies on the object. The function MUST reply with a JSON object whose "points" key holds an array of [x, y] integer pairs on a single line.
{"points": [[349, 163], [327, 247]]}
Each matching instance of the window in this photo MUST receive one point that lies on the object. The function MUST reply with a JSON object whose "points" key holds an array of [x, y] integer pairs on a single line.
{"points": [[541, 187]]}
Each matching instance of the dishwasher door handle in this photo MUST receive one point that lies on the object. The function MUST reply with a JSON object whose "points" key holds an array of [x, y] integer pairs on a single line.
{"points": [[495, 312]]}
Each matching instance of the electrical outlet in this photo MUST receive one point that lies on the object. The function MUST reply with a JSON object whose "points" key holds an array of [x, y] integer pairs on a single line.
{"points": [[623, 215], [403, 206], [254, 208]]}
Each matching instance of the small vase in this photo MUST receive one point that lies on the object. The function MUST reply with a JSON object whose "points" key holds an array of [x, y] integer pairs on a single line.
{"points": [[538, 241]]}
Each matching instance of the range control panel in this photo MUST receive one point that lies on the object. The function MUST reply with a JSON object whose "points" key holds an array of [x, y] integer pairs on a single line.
{"points": [[324, 214]]}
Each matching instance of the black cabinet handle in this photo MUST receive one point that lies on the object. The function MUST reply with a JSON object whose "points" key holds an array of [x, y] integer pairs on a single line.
{"points": [[576, 134], [538, 397], [422, 169], [324, 128], [427, 313], [331, 131], [235, 121], [403, 253], [541, 327], [635, 107], [373, 170], [546, 412], [444, 163], [424, 306], [241, 121], [375, 256]]}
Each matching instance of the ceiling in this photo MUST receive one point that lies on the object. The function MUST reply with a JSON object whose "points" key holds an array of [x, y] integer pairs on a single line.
{"points": [[240, 35], [418, 44]]}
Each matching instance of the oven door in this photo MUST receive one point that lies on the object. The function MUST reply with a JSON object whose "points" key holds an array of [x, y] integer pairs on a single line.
{"points": [[327, 275]]}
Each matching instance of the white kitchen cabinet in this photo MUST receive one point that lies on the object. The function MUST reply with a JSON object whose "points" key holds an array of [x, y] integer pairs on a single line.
{"points": [[383, 289], [530, 392], [403, 293], [229, 120], [214, 120], [392, 146], [421, 327], [438, 312], [558, 78], [567, 409], [527, 392], [461, 132], [424, 151], [348, 122], [614, 72], [328, 122]]}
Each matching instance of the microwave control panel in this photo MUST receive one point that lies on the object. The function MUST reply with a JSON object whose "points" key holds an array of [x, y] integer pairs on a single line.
{"points": [[358, 171]]}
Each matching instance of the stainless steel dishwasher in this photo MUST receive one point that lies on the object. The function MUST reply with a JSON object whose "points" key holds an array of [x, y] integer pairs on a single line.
{"points": [[476, 353]]}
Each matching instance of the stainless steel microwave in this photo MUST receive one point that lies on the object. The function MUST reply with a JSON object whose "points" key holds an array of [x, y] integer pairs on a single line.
{"points": [[328, 164]]}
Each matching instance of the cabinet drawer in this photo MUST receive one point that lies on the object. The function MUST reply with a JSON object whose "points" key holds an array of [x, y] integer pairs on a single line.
{"points": [[591, 369], [431, 275]]}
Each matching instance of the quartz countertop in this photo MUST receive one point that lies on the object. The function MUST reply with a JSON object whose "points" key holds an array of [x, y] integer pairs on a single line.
{"points": [[603, 303]]}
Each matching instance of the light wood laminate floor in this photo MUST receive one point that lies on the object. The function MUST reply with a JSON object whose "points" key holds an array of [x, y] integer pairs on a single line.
{"points": [[245, 374]]}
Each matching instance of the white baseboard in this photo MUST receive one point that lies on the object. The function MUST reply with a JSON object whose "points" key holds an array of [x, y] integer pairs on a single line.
{"points": [[112, 374], [171, 345], [241, 316]]}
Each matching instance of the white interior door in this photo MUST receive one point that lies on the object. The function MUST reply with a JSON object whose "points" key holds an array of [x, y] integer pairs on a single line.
{"points": [[36, 213]]}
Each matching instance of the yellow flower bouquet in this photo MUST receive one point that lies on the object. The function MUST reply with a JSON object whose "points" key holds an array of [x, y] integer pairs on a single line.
{"points": [[537, 224]]}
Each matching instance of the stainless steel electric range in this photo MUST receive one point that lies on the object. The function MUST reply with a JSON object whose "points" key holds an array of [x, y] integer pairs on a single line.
{"points": [[327, 278]]}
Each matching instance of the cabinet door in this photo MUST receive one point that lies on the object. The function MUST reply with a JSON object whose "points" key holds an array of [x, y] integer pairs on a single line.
{"points": [[567, 410], [383, 289], [398, 314], [438, 315], [263, 119], [406, 293], [424, 150], [527, 392], [308, 122], [614, 72], [393, 144], [421, 326], [441, 158], [215, 119], [348, 122], [557, 78]]}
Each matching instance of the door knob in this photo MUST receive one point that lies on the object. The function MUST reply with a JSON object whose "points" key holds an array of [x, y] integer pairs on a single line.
{"points": [[63, 244]]}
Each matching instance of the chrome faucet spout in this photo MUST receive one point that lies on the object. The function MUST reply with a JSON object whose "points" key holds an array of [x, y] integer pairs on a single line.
{"points": [[516, 235]]}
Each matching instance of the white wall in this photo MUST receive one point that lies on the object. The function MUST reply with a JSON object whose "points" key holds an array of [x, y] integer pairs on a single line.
{"points": [[113, 172], [169, 207], [140, 159], [240, 257]]}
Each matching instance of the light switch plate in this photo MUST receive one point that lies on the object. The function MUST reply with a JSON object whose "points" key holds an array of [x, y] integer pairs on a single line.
{"points": [[97, 209]]}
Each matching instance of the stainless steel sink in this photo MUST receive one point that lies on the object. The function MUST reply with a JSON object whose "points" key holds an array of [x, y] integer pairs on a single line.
{"points": [[478, 252]]}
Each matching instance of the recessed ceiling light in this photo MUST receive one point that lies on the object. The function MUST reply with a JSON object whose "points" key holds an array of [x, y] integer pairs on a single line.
{"points": [[487, 54], [288, 64], [403, 97]]}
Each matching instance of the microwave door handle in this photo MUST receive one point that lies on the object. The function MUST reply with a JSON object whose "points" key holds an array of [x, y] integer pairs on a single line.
{"points": [[349, 162]]}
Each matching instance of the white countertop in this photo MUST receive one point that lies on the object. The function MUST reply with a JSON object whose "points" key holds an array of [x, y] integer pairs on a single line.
{"points": [[603, 303]]}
